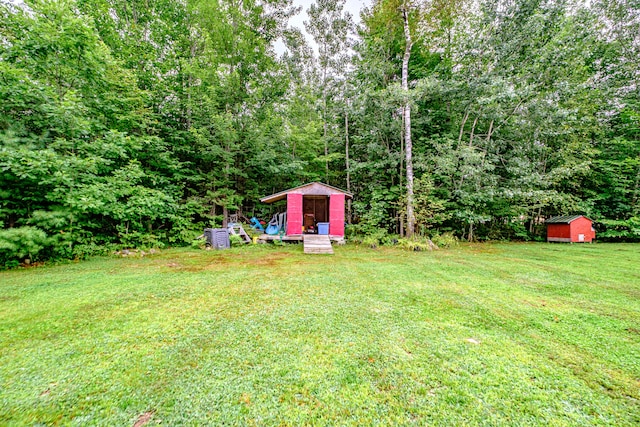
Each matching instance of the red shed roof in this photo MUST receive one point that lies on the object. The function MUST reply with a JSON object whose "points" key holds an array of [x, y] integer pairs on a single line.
{"points": [[565, 219], [311, 189]]}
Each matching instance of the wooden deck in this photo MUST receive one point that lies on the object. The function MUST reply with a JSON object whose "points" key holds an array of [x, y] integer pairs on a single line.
{"points": [[272, 237], [317, 244], [295, 237]]}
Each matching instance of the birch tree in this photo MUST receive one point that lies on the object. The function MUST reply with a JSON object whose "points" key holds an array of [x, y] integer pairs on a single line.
{"points": [[406, 109], [329, 25]]}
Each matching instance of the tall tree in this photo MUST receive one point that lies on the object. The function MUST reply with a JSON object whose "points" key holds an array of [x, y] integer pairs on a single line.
{"points": [[329, 26], [406, 109]]}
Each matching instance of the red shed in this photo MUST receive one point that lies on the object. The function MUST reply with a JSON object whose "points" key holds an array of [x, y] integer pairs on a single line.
{"points": [[313, 208], [571, 228]]}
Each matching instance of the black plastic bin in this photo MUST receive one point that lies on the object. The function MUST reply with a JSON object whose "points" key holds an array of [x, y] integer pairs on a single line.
{"points": [[217, 238]]}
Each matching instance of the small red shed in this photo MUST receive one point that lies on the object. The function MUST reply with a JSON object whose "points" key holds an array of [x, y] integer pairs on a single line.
{"points": [[570, 228], [313, 207]]}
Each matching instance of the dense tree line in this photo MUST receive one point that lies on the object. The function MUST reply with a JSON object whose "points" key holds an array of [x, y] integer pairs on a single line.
{"points": [[139, 122]]}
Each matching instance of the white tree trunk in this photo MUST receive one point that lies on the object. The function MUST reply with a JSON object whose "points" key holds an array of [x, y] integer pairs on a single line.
{"points": [[346, 155], [324, 121], [411, 220]]}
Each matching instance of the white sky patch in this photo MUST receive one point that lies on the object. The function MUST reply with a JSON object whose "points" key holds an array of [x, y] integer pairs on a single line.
{"points": [[352, 6]]}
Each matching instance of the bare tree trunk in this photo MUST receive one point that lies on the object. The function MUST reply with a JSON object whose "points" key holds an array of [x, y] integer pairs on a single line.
{"points": [[326, 144], [225, 215], [411, 220], [464, 122], [473, 130], [490, 131], [346, 154], [402, 153], [402, 171], [190, 85], [293, 150], [534, 219], [636, 195], [324, 122]]}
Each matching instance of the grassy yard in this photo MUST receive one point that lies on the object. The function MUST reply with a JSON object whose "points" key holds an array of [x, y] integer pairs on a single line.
{"points": [[495, 334]]}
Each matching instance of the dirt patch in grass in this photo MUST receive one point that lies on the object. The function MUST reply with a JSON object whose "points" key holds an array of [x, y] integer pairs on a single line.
{"points": [[220, 259], [483, 248], [633, 293], [270, 260], [224, 261], [143, 419], [535, 304], [385, 260], [208, 264]]}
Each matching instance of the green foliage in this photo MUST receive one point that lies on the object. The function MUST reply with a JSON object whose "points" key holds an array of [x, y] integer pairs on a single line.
{"points": [[620, 230], [445, 240], [198, 243], [236, 240], [415, 244], [140, 123], [504, 121], [17, 244], [375, 217], [430, 210], [379, 237]]}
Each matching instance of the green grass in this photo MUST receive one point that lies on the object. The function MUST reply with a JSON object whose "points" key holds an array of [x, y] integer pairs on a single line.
{"points": [[269, 336]]}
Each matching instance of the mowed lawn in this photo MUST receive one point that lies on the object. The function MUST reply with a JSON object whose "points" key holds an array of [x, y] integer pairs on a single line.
{"points": [[490, 334]]}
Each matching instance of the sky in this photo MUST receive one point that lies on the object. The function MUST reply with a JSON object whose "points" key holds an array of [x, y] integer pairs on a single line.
{"points": [[352, 6]]}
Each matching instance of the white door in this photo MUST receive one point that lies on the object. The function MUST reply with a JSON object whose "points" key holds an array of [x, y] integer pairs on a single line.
{"points": [[580, 237]]}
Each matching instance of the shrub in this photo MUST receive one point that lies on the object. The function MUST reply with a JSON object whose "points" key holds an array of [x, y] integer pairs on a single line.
{"points": [[417, 244], [17, 244], [84, 251], [620, 230], [414, 245], [138, 239], [236, 240], [371, 241], [199, 243], [378, 238], [445, 240]]}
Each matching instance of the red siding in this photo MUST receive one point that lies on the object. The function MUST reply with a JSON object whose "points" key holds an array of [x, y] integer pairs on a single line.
{"points": [[582, 226], [294, 213], [571, 232], [559, 230], [336, 214]]}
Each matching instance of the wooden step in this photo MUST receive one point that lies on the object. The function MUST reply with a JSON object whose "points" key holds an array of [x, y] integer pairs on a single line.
{"points": [[317, 244], [236, 229]]}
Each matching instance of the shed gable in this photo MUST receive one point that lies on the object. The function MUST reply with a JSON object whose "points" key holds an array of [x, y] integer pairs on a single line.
{"points": [[311, 189], [564, 219]]}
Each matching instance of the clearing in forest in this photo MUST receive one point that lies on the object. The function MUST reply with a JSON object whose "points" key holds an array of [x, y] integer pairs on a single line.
{"points": [[492, 334]]}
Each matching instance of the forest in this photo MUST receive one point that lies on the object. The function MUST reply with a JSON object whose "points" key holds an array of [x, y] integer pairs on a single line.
{"points": [[137, 123]]}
